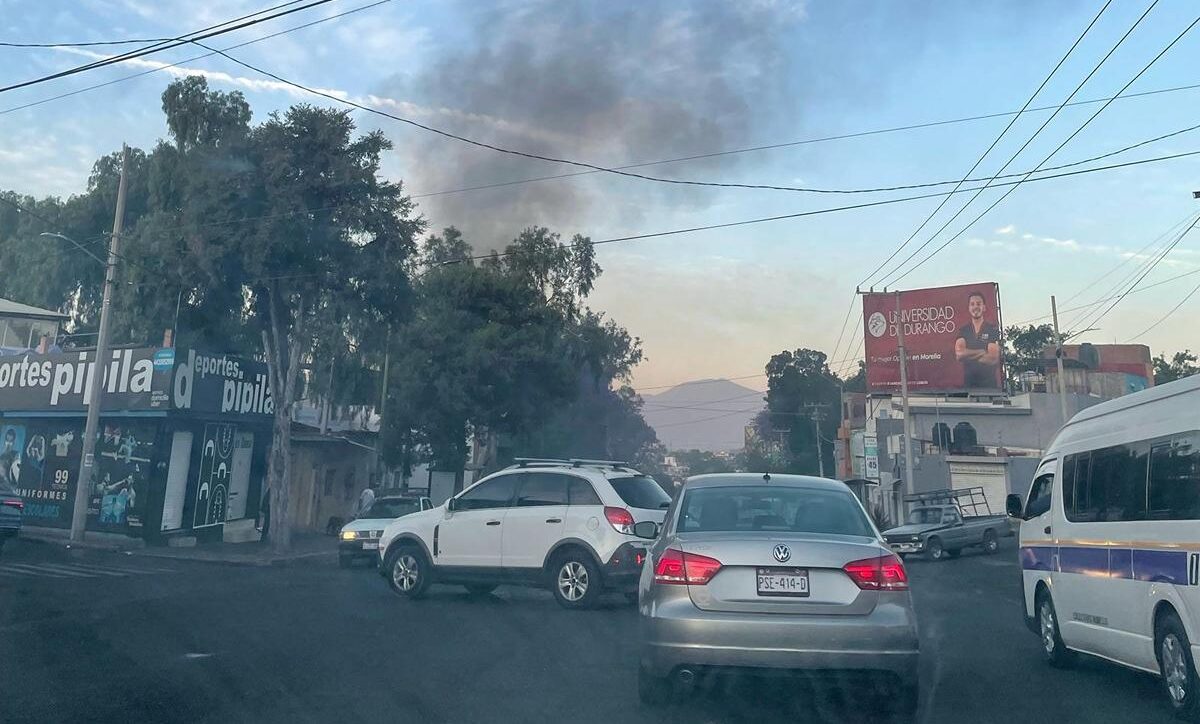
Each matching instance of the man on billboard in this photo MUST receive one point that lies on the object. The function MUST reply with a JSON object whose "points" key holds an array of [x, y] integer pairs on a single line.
{"points": [[978, 346]]}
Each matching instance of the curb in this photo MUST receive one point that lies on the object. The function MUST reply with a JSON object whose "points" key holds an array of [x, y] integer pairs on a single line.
{"points": [[246, 562], [61, 539]]}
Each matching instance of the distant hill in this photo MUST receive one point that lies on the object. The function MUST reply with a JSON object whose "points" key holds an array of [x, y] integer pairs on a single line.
{"points": [[719, 424]]}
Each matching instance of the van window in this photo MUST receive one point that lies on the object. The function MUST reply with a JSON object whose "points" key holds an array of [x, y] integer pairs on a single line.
{"points": [[1039, 496], [1110, 484], [1175, 479]]}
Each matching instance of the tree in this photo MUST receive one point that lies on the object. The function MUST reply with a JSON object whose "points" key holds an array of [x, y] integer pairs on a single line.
{"points": [[800, 387], [1182, 364], [856, 382], [699, 462], [1023, 348]]}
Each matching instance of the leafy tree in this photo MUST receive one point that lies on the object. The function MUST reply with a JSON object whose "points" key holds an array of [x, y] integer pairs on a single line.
{"points": [[799, 387], [1182, 364], [699, 462], [1023, 347], [856, 382]]}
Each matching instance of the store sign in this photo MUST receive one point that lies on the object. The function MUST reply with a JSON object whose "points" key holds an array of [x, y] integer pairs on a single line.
{"points": [[951, 338], [136, 379], [870, 458]]}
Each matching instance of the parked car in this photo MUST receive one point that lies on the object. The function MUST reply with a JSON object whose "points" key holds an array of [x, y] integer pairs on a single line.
{"points": [[942, 523], [774, 573], [1110, 539], [359, 539], [12, 510], [564, 524]]}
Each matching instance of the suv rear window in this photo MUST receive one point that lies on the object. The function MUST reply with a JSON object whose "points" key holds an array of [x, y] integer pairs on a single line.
{"points": [[796, 510], [641, 492]]}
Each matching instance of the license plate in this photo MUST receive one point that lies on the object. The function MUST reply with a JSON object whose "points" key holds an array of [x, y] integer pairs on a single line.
{"points": [[370, 545], [782, 582]]}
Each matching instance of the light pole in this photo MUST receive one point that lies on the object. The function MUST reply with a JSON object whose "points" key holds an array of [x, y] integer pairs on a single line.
{"points": [[95, 378]]}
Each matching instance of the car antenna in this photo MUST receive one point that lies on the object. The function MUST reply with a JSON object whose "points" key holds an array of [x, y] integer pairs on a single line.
{"points": [[766, 477]]}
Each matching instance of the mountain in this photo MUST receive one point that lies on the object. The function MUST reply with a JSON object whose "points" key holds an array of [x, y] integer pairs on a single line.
{"points": [[704, 414]]}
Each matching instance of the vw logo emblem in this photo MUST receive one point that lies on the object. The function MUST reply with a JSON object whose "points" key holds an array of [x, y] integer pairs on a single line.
{"points": [[782, 553]]}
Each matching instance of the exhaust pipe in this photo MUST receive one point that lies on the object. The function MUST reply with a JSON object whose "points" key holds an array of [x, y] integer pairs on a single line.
{"points": [[686, 677]]}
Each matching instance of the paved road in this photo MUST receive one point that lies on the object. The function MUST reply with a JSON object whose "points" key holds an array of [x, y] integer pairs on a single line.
{"points": [[101, 637]]}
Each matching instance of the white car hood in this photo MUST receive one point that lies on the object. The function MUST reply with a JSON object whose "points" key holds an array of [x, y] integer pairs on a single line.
{"points": [[367, 524]]}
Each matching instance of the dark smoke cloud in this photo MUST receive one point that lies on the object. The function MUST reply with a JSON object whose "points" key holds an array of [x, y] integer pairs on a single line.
{"points": [[591, 82]]}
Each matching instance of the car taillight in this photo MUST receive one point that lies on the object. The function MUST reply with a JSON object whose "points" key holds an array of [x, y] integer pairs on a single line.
{"points": [[19, 505], [675, 566], [620, 519], [885, 573]]}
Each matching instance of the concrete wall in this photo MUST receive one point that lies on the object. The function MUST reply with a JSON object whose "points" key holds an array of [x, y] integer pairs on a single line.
{"points": [[327, 478]]}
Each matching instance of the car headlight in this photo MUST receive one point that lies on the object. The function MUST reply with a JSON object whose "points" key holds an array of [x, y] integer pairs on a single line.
{"points": [[916, 539], [349, 535]]}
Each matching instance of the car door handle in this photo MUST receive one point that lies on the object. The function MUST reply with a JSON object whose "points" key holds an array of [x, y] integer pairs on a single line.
{"points": [[493, 522], [1046, 530], [554, 520]]}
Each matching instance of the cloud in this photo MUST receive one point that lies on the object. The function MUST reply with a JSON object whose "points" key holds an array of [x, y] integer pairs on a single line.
{"points": [[1006, 229]]}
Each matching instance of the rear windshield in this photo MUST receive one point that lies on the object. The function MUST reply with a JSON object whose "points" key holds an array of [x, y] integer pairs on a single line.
{"points": [[641, 492], [795, 510], [393, 508]]}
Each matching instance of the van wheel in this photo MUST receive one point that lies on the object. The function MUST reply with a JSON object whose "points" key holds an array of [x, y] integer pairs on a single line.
{"points": [[1178, 669], [575, 580], [935, 549], [1054, 651], [990, 543]]}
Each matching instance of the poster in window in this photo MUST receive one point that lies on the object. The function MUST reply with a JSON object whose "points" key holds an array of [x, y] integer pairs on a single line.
{"points": [[121, 482], [216, 467]]}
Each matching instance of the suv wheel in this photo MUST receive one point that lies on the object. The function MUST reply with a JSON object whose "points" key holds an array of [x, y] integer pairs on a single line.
{"points": [[575, 580], [408, 572]]}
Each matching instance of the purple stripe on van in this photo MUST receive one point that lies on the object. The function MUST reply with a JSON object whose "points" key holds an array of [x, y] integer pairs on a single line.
{"points": [[1087, 560], [1164, 566], [1120, 563], [1036, 558]]}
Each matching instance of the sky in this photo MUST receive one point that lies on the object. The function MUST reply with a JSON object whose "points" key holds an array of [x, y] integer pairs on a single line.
{"points": [[619, 83]]}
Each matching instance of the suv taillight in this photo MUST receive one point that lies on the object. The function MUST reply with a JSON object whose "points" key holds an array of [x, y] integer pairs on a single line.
{"points": [[19, 505], [885, 573], [620, 519], [675, 566]]}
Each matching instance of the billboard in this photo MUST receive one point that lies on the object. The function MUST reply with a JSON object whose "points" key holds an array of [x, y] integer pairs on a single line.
{"points": [[951, 338]]}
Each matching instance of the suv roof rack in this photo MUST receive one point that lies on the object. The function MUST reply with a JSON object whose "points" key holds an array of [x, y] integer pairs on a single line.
{"points": [[573, 462]]}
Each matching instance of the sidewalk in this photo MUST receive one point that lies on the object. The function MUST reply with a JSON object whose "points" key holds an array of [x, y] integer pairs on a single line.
{"points": [[306, 548]]}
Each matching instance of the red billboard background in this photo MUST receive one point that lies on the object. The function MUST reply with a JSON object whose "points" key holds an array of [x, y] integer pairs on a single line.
{"points": [[948, 349]]}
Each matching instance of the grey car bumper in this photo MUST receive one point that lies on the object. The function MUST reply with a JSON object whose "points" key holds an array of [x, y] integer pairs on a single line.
{"points": [[677, 634]]}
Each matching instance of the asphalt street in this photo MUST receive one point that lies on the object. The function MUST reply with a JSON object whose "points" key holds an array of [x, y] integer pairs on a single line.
{"points": [[101, 637]]}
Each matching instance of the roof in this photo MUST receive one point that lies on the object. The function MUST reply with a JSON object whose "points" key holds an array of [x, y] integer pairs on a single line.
{"points": [[1150, 394], [712, 480], [9, 308]]}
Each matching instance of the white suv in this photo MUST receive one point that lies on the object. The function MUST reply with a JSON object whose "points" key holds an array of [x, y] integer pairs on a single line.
{"points": [[565, 524]]}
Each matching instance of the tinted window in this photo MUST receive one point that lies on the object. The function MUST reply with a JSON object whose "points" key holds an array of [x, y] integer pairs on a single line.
{"points": [[1175, 479], [1039, 495], [1111, 484], [778, 508], [393, 508], [581, 492], [542, 489], [495, 493], [641, 492]]}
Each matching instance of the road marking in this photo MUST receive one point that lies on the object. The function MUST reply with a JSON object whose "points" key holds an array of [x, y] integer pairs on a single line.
{"points": [[75, 570], [35, 571], [81, 569]]}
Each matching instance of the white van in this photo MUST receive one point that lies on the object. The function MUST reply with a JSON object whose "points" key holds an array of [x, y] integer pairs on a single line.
{"points": [[1110, 538]]}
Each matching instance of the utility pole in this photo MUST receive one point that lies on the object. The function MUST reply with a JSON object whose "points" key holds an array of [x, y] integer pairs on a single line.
{"points": [[1058, 355], [908, 462], [95, 378], [816, 421]]}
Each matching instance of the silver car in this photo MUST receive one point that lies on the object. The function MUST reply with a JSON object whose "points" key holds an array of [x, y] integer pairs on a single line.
{"points": [[768, 573]]}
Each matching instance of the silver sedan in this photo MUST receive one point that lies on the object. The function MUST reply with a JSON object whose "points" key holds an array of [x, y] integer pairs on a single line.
{"points": [[776, 573]]}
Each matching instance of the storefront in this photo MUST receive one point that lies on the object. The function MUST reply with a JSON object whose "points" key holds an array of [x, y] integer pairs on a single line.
{"points": [[181, 447]]}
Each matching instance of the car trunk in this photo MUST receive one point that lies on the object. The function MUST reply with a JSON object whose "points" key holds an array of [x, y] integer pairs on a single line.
{"points": [[735, 587]]}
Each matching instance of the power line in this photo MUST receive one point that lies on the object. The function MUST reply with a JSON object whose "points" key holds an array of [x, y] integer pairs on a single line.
{"points": [[1094, 320], [1060, 146], [849, 207], [1164, 317], [202, 34], [996, 141], [132, 41], [1090, 305], [202, 56]]}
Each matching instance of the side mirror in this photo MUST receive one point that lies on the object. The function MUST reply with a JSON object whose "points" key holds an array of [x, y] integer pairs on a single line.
{"points": [[1012, 505], [647, 529]]}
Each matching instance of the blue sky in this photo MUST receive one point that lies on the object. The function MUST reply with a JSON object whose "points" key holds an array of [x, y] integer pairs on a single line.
{"points": [[616, 83]]}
